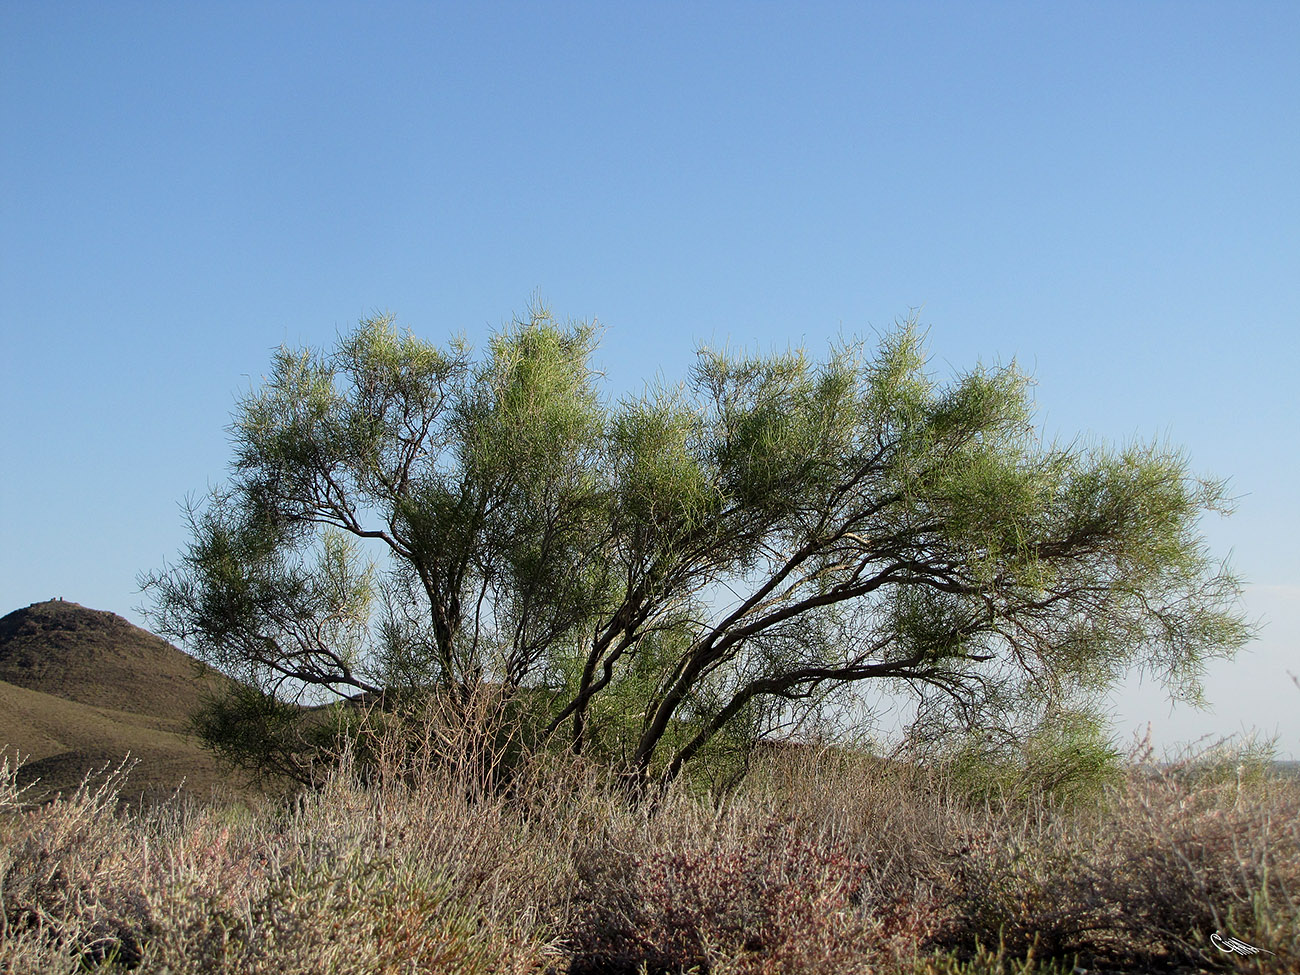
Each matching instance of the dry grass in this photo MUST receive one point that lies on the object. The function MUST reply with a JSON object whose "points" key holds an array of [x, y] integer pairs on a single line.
{"points": [[818, 863]]}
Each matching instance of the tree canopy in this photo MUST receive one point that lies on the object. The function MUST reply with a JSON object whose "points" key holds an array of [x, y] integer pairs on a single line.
{"points": [[701, 563]]}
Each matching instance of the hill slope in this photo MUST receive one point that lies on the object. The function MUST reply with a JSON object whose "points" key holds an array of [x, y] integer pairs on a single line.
{"points": [[80, 688], [100, 659]]}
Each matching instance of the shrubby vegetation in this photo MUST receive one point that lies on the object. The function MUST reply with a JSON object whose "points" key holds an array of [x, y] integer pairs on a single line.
{"points": [[688, 571], [819, 861], [471, 601]]}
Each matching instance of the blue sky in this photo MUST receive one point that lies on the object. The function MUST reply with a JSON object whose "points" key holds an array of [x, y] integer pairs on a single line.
{"points": [[1107, 192]]}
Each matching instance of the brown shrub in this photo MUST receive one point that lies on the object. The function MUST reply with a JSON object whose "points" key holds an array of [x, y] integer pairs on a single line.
{"points": [[1145, 879]]}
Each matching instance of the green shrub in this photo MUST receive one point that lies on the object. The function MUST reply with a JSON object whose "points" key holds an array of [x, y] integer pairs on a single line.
{"points": [[1068, 758]]}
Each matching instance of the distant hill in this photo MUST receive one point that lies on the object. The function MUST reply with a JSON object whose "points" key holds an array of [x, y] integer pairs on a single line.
{"points": [[81, 687]]}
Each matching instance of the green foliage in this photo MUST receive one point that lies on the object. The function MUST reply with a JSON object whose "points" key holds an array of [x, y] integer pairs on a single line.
{"points": [[1066, 758], [690, 570]]}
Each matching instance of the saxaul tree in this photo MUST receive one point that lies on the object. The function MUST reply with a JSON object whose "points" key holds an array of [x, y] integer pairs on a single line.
{"points": [[703, 562]]}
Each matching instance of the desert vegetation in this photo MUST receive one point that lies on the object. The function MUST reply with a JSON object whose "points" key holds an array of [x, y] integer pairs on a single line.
{"points": [[543, 682], [820, 859], [679, 574]]}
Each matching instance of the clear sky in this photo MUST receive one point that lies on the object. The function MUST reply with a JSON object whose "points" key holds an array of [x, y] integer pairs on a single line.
{"points": [[1109, 192]]}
